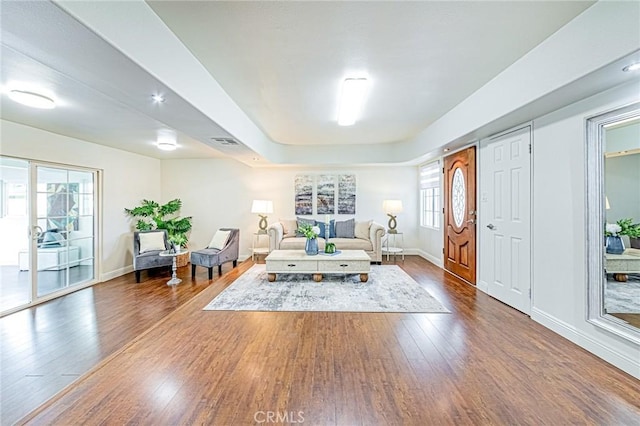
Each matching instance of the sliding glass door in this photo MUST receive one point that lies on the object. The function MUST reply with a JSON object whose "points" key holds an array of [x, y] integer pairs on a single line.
{"points": [[54, 229]]}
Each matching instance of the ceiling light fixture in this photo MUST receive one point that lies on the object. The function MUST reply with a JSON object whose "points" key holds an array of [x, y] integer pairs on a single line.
{"points": [[354, 91], [32, 99], [632, 67], [166, 140], [157, 98]]}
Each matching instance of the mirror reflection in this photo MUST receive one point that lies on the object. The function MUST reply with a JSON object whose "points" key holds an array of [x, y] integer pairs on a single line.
{"points": [[621, 298]]}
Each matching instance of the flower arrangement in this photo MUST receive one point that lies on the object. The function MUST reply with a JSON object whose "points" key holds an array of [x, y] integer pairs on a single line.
{"points": [[612, 229], [309, 231]]}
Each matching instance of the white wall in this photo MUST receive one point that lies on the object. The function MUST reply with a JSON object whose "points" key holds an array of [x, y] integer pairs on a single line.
{"points": [[127, 179], [559, 229], [218, 193]]}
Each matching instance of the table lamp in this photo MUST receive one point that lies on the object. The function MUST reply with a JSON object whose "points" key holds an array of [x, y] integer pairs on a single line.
{"points": [[262, 208], [392, 208]]}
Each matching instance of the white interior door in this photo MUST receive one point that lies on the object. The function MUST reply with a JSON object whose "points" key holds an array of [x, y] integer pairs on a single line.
{"points": [[505, 218]]}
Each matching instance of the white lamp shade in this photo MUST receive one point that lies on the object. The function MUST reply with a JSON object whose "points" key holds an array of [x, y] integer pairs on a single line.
{"points": [[392, 206], [262, 206]]}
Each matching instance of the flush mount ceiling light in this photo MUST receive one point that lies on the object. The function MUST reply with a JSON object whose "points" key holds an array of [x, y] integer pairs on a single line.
{"points": [[32, 99], [354, 91], [157, 98], [632, 67], [166, 140]]}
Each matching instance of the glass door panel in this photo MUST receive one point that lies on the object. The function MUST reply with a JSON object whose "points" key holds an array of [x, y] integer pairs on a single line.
{"points": [[81, 236], [15, 280], [48, 215], [65, 251]]}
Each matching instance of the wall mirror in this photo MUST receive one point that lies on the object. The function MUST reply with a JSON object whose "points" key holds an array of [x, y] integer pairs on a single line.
{"points": [[613, 195]]}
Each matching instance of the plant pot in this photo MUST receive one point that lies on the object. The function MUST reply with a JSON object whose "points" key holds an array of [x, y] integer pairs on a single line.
{"points": [[634, 242], [615, 245], [182, 259], [311, 246]]}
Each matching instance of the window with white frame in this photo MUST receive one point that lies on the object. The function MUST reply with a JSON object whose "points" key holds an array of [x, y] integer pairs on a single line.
{"points": [[430, 195]]}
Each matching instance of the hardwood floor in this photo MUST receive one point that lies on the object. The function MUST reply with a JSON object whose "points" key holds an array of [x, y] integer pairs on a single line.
{"points": [[47, 347], [484, 363]]}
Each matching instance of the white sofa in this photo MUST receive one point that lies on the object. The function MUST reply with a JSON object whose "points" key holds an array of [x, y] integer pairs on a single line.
{"points": [[51, 258], [282, 237]]}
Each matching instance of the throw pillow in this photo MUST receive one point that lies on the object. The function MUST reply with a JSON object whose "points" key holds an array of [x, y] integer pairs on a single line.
{"points": [[219, 239], [362, 230], [289, 226], [345, 229], [302, 221], [322, 227], [332, 228], [150, 241], [52, 239]]}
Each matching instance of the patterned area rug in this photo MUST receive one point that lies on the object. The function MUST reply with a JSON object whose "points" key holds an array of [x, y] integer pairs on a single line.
{"points": [[389, 289], [623, 298]]}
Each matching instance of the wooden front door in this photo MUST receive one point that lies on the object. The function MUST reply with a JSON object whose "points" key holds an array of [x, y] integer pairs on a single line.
{"points": [[460, 214]]}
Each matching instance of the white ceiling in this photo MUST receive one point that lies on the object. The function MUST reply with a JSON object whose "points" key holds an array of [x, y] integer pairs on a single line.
{"points": [[281, 63]]}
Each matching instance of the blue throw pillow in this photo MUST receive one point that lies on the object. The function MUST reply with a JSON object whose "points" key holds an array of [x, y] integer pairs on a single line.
{"points": [[332, 228], [52, 239]]}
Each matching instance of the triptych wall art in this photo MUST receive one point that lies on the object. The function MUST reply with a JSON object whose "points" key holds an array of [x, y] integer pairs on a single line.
{"points": [[334, 194]]}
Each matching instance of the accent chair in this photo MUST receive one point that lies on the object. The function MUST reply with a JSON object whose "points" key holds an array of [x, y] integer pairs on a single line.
{"points": [[219, 251], [147, 246]]}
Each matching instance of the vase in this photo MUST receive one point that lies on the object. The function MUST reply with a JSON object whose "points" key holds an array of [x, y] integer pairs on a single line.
{"points": [[311, 246], [615, 245]]}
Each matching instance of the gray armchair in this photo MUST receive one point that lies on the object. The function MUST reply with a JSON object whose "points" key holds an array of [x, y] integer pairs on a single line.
{"points": [[151, 258], [210, 257]]}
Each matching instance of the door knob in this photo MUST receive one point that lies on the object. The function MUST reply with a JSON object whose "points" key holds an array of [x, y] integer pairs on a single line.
{"points": [[491, 226], [36, 232], [472, 221]]}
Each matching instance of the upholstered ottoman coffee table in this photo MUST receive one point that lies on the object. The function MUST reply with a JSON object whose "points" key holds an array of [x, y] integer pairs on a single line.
{"points": [[297, 261]]}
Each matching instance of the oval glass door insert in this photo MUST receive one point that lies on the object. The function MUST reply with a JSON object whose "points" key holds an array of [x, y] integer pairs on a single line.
{"points": [[458, 197]]}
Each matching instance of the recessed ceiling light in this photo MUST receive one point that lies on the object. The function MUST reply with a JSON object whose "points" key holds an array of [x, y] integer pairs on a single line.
{"points": [[32, 99], [157, 98], [632, 67], [447, 149]]}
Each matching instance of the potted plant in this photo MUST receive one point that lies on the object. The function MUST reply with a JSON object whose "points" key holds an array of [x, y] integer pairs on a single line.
{"points": [[627, 227], [152, 215]]}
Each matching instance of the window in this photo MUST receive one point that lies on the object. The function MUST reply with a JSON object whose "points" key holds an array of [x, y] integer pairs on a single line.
{"points": [[430, 195]]}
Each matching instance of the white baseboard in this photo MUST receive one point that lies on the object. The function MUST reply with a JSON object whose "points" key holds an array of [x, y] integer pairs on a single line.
{"points": [[620, 360], [423, 254], [106, 276]]}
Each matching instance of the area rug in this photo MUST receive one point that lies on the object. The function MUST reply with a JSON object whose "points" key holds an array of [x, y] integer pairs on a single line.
{"points": [[623, 297], [389, 289]]}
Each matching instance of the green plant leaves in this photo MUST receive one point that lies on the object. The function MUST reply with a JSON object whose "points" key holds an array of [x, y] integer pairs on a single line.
{"points": [[152, 215], [629, 228]]}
